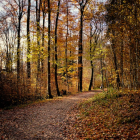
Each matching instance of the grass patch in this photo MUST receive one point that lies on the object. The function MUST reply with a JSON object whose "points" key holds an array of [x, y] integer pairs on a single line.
{"points": [[110, 115]]}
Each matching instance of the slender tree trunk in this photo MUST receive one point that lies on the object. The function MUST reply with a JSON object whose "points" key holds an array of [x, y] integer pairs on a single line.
{"points": [[91, 61], [7, 57], [134, 70], [137, 66], [102, 86], [92, 49], [136, 45], [92, 76], [122, 63], [38, 5], [130, 56], [115, 63], [66, 49], [130, 65], [122, 46], [38, 81], [70, 48], [49, 39], [10, 59], [101, 62], [106, 77], [28, 40], [80, 52], [18, 50], [42, 54], [56, 25], [82, 4]]}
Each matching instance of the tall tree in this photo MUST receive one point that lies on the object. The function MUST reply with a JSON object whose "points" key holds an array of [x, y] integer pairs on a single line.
{"points": [[82, 5], [91, 61], [111, 20], [67, 46], [38, 8], [49, 40], [94, 37], [56, 63], [43, 34], [28, 40], [20, 4]]}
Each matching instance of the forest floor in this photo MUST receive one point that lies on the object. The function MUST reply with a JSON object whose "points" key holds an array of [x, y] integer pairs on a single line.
{"points": [[50, 120], [107, 116]]}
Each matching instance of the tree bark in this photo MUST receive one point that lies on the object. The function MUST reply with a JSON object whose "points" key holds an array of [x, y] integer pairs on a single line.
{"points": [[136, 45], [92, 75], [115, 62], [101, 61], [80, 51], [18, 44], [91, 61], [82, 5], [49, 39], [67, 85], [43, 35], [56, 25], [38, 6], [122, 63], [28, 40]]}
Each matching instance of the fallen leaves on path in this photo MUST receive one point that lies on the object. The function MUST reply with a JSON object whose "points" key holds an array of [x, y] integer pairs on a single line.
{"points": [[40, 121]]}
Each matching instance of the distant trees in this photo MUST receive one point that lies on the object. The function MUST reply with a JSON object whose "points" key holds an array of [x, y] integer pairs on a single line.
{"points": [[41, 40], [8, 34]]}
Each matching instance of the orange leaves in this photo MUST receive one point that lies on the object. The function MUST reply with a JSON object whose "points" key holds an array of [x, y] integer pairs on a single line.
{"points": [[101, 121]]}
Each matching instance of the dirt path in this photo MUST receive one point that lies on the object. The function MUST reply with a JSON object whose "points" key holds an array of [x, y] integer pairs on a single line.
{"points": [[44, 121]]}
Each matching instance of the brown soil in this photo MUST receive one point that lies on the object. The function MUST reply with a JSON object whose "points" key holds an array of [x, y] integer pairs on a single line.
{"points": [[44, 121]]}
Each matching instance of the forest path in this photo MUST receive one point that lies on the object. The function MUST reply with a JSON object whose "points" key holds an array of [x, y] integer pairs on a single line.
{"points": [[44, 121]]}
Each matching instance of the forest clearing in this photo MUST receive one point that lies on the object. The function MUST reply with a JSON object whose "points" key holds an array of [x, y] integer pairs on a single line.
{"points": [[56, 53]]}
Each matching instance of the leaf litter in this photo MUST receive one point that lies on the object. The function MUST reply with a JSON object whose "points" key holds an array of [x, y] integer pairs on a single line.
{"points": [[107, 116]]}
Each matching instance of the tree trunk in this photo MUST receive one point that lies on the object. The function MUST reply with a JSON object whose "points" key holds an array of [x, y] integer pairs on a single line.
{"points": [[130, 65], [28, 40], [42, 54], [56, 25], [122, 63], [136, 45], [91, 79], [101, 61], [38, 5], [80, 52], [91, 61], [115, 62], [18, 49], [66, 50], [49, 39]]}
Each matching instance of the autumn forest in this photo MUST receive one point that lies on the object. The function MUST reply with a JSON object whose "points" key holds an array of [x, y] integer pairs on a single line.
{"points": [[51, 48]]}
